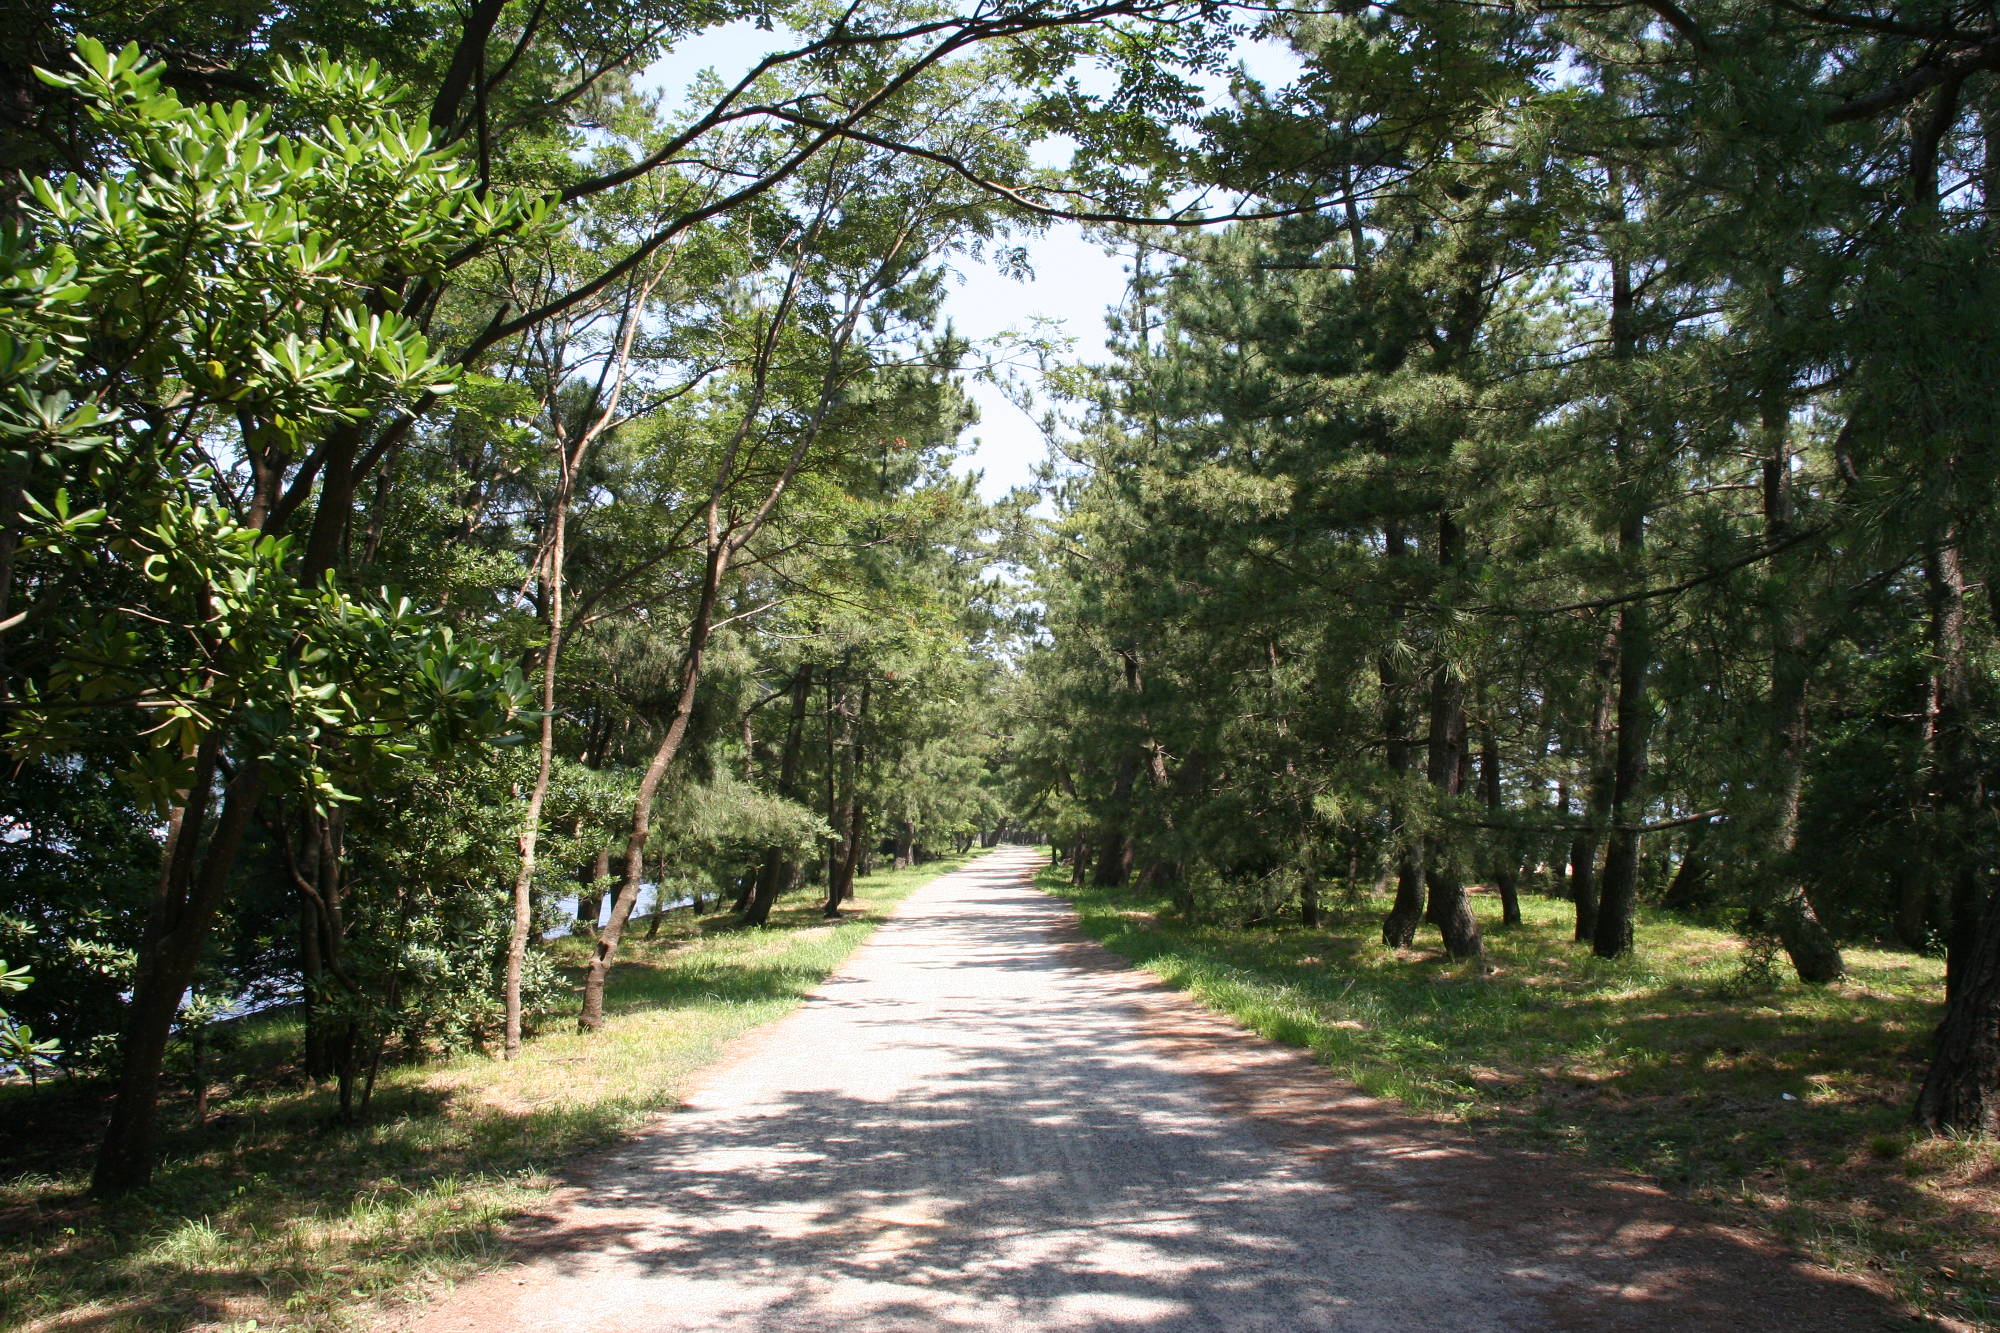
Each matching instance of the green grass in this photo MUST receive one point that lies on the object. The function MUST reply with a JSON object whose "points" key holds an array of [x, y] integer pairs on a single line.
{"points": [[1785, 1105], [267, 1213]]}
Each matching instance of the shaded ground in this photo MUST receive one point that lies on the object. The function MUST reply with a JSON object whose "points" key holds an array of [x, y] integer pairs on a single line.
{"points": [[1779, 1107], [983, 1121], [266, 1212]]}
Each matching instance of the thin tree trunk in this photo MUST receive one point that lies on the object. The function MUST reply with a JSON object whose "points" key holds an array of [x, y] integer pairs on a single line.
{"points": [[555, 564], [318, 1061], [590, 894], [1399, 927], [1447, 906], [193, 879], [528, 839], [1814, 954], [840, 884], [714, 570], [1619, 895], [1598, 805], [778, 868], [1506, 878]]}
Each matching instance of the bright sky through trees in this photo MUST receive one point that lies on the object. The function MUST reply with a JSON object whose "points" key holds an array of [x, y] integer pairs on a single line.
{"points": [[1075, 281]]}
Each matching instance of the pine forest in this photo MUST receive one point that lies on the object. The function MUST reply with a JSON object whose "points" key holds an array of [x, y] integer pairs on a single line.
{"points": [[493, 570]]}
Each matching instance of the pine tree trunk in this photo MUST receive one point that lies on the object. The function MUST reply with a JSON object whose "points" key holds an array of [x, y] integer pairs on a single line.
{"points": [[1961, 1089], [840, 885], [1618, 896], [1506, 877], [1688, 891], [1956, 779], [1399, 928], [778, 870], [1114, 855], [1811, 947], [1583, 888], [716, 568], [1447, 906]]}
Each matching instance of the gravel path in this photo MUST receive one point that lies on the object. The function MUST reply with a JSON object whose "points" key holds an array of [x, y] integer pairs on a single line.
{"points": [[983, 1123]]}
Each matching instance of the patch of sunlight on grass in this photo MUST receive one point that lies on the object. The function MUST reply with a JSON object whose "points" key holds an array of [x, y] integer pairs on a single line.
{"points": [[1786, 1104], [272, 1213]]}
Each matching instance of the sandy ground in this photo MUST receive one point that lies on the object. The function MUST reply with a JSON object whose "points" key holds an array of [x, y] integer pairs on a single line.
{"points": [[985, 1122]]}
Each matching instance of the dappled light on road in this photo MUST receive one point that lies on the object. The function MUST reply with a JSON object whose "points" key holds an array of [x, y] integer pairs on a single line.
{"points": [[980, 1123]]}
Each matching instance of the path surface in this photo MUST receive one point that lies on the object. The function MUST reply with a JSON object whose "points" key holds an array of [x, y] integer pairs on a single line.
{"points": [[983, 1122]]}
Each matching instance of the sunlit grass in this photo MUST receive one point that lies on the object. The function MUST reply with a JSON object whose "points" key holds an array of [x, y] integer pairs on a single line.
{"points": [[270, 1213], [1785, 1103]]}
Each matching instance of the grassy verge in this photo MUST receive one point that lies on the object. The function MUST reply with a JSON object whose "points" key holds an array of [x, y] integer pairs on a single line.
{"points": [[1786, 1105], [265, 1214]]}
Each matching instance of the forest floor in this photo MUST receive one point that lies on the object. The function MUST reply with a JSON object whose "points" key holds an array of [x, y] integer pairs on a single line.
{"points": [[1782, 1108], [267, 1216]]}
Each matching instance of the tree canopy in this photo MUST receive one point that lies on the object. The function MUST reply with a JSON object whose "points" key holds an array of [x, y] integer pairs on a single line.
{"points": [[1542, 449]]}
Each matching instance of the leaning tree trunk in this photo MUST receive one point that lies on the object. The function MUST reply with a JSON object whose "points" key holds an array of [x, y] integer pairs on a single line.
{"points": [[591, 1017], [1688, 891], [193, 879]]}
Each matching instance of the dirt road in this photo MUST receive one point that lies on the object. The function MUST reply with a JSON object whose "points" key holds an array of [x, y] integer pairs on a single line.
{"points": [[983, 1122]]}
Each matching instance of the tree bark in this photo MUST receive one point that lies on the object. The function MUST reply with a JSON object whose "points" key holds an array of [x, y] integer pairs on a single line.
{"points": [[528, 839], [193, 879], [714, 570], [1506, 875], [1961, 1088], [1619, 894], [1399, 928], [840, 885], [1811, 947], [1689, 889], [778, 869], [1612, 935], [1447, 906]]}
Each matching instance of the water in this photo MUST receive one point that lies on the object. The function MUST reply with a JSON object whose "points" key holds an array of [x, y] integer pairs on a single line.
{"points": [[648, 902]]}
